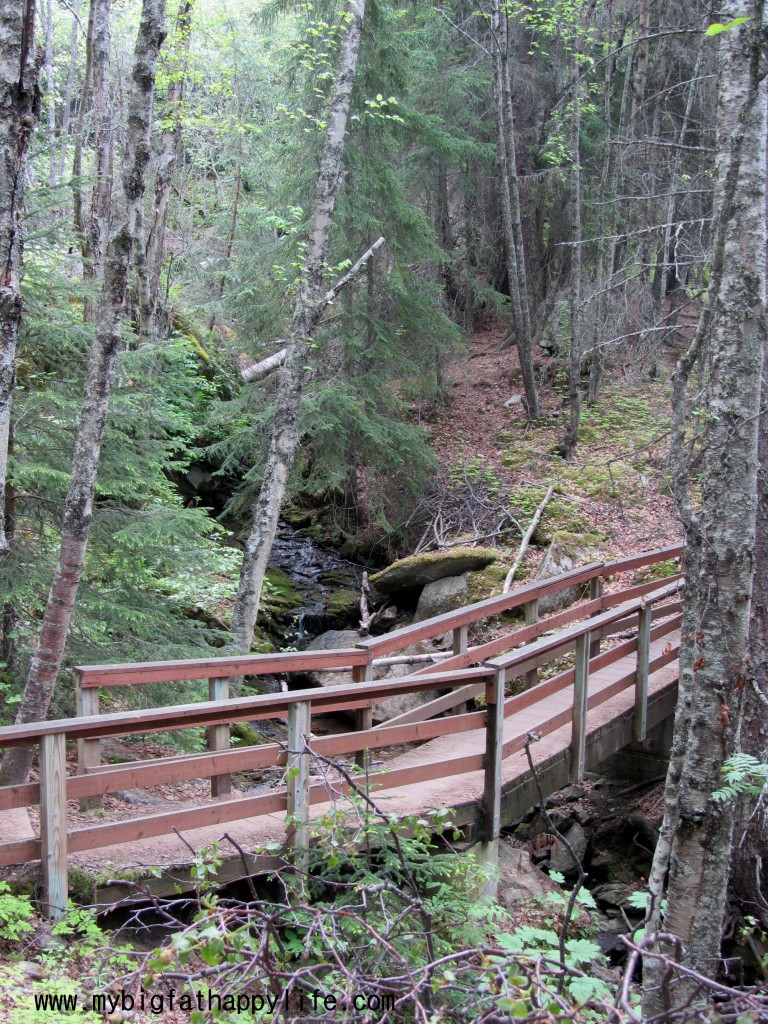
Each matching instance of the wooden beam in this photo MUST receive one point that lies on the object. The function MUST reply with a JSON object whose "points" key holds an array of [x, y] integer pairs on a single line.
{"points": [[53, 825], [88, 751], [641, 685], [219, 737], [580, 696], [297, 779], [494, 743]]}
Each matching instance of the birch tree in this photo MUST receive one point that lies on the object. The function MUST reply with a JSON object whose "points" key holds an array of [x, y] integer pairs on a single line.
{"points": [[696, 836], [19, 109], [308, 308], [107, 343]]}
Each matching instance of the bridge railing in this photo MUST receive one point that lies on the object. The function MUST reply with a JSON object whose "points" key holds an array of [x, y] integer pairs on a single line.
{"points": [[636, 605], [362, 660]]}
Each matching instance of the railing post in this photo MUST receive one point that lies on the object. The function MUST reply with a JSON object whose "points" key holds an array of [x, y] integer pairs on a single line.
{"points": [[460, 644], [88, 751], [297, 833], [531, 616], [218, 737], [53, 824], [490, 823], [595, 592], [460, 640], [363, 716], [641, 680], [579, 725]]}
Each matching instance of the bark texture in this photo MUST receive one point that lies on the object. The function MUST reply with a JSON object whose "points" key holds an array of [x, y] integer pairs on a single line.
{"points": [[509, 196], [19, 109], [307, 310], [697, 833], [78, 508]]}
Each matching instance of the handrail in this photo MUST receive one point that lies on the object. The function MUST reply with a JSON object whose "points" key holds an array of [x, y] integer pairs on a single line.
{"points": [[547, 645], [237, 709], [219, 668]]}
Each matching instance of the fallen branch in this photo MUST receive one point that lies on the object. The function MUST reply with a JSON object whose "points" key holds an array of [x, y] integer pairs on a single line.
{"points": [[366, 616], [262, 369], [350, 275], [527, 538], [412, 659]]}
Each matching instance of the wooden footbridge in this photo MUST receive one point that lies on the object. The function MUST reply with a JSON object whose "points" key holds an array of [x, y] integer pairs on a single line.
{"points": [[619, 680]]}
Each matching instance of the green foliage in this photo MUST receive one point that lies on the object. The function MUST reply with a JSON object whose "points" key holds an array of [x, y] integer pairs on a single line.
{"points": [[744, 774], [16, 915]]}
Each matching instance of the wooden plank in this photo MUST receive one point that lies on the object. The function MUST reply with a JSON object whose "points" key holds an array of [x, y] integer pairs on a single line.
{"points": [[218, 736], [438, 705], [297, 784], [398, 777], [482, 609], [490, 814], [19, 796], [610, 600], [95, 837], [531, 618], [390, 735], [514, 638], [88, 751], [363, 715], [459, 639], [19, 851], [558, 642], [238, 709], [219, 668], [641, 685], [642, 559], [53, 824], [580, 697], [596, 594]]}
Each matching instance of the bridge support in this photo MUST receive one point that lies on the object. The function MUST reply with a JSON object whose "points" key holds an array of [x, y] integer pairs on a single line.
{"points": [[579, 726], [88, 751], [297, 832], [488, 852], [53, 824], [363, 716], [218, 737]]}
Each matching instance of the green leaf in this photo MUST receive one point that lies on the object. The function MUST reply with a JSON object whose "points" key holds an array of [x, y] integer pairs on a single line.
{"points": [[717, 27]]}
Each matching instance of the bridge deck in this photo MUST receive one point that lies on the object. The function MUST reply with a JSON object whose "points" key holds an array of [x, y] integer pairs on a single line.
{"points": [[609, 728]]}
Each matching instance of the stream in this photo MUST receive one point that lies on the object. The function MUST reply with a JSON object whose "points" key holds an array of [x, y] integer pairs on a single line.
{"points": [[316, 573]]}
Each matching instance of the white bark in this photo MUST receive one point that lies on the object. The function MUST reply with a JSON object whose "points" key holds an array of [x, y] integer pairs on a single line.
{"points": [[262, 369], [19, 108], [308, 309], [697, 833], [78, 506]]}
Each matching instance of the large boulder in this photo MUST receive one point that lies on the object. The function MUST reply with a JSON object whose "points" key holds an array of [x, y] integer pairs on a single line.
{"points": [[566, 551], [419, 570], [340, 638], [442, 596]]}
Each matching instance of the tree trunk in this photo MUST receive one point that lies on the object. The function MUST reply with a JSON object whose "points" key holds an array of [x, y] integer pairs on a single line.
{"points": [[568, 444], [19, 108], [308, 308], [697, 832], [509, 194], [78, 506], [66, 110], [170, 142]]}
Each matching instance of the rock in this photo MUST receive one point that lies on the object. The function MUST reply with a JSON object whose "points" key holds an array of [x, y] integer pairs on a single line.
{"points": [[566, 551], [342, 607], [561, 859], [140, 798], [612, 894], [443, 595], [419, 570], [520, 881]]}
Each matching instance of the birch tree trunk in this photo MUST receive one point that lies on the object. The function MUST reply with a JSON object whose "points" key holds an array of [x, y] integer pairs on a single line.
{"points": [[696, 836], [19, 108], [307, 310], [568, 444], [78, 507], [170, 142], [509, 194]]}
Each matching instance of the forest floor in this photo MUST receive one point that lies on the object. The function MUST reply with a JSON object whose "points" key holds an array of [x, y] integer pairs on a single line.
{"points": [[615, 487]]}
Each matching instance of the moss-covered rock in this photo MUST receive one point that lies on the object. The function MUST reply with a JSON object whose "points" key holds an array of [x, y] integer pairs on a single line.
{"points": [[342, 609], [244, 735], [418, 570], [280, 594]]}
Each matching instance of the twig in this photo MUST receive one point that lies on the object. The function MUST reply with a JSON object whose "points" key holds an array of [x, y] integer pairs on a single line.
{"points": [[527, 538]]}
